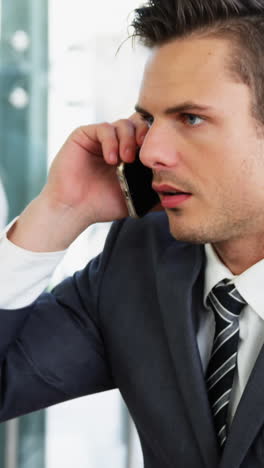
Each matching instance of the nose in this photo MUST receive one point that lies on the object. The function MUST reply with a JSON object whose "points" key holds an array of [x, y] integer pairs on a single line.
{"points": [[159, 149]]}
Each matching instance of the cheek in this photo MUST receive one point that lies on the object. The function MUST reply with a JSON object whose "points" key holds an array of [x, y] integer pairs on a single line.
{"points": [[209, 166], [226, 164], [238, 186]]}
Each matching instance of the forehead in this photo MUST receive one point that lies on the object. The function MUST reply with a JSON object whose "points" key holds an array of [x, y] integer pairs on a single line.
{"points": [[188, 68]]}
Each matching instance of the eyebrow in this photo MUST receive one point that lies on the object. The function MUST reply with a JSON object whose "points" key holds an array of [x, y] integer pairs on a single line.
{"points": [[184, 107]]}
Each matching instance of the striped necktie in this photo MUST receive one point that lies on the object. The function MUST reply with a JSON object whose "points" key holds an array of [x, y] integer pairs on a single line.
{"points": [[226, 303]]}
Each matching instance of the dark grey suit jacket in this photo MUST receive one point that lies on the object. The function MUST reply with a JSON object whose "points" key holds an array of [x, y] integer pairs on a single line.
{"points": [[129, 321]]}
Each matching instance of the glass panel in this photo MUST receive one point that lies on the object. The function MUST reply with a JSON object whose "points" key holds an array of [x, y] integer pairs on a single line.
{"points": [[23, 95], [23, 138]]}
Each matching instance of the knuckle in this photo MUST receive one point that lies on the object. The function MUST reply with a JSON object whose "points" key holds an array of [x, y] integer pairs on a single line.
{"points": [[106, 132], [106, 126], [120, 122], [78, 133], [78, 130], [125, 124]]}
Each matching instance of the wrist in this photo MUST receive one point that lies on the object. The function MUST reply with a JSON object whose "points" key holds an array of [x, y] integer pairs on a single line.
{"points": [[46, 226]]}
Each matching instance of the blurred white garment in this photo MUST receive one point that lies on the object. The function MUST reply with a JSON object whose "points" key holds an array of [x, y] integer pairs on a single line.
{"points": [[3, 207]]}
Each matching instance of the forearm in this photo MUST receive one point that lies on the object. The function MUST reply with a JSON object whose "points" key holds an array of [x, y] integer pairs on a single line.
{"points": [[46, 227], [24, 275]]}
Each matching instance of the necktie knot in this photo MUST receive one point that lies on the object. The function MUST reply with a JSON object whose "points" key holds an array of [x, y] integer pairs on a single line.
{"points": [[226, 301]]}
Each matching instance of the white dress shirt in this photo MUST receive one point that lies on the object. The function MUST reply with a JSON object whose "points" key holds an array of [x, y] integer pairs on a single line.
{"points": [[30, 272], [24, 275]]}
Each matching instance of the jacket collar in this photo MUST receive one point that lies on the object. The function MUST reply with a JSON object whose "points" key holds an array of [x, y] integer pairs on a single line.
{"points": [[180, 289]]}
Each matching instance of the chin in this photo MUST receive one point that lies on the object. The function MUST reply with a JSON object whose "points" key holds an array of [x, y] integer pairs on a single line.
{"points": [[185, 232], [190, 237]]}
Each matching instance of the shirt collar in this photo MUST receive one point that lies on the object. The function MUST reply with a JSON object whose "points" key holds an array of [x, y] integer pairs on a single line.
{"points": [[249, 283], [215, 270]]}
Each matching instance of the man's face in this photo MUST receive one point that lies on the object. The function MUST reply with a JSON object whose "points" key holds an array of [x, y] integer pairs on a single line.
{"points": [[215, 154]]}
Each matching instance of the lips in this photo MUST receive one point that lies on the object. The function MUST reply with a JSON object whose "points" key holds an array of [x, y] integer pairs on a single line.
{"points": [[168, 190], [170, 196]]}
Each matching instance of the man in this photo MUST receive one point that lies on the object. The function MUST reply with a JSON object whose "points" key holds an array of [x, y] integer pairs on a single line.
{"points": [[171, 312]]}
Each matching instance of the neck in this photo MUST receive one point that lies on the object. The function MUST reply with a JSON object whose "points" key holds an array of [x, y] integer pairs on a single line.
{"points": [[239, 255]]}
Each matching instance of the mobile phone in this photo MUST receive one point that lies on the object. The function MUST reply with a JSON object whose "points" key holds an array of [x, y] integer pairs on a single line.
{"points": [[135, 180]]}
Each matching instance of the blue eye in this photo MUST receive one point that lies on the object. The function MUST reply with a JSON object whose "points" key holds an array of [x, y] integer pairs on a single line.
{"points": [[192, 119]]}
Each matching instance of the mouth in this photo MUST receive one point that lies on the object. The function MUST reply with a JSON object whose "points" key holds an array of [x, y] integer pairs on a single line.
{"points": [[171, 196]]}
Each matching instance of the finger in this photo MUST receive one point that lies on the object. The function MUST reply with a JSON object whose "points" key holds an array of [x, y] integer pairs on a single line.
{"points": [[140, 126], [107, 136], [98, 139], [126, 134]]}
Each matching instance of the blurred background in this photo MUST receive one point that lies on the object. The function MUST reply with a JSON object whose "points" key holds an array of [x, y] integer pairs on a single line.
{"points": [[59, 70]]}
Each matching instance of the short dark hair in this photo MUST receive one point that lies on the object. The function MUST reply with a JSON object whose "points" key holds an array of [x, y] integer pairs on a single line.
{"points": [[158, 22]]}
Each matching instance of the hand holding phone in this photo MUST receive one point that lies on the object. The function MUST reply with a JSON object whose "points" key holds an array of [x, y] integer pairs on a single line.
{"points": [[135, 180]]}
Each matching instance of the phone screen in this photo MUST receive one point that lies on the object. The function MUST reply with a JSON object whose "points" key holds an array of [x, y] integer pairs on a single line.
{"points": [[138, 180]]}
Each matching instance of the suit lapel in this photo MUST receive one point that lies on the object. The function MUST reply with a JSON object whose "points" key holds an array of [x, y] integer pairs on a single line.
{"points": [[180, 288], [248, 419]]}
